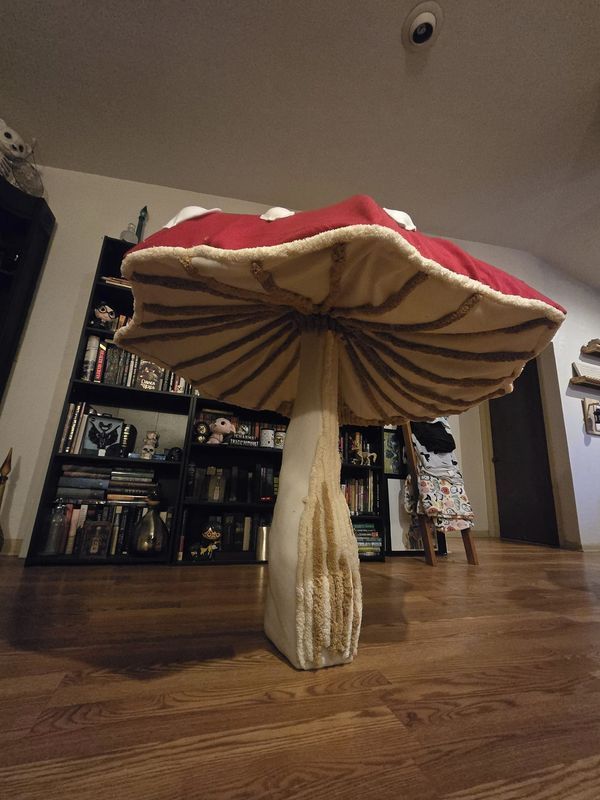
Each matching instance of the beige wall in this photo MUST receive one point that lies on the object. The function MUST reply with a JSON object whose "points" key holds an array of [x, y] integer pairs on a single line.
{"points": [[88, 207]]}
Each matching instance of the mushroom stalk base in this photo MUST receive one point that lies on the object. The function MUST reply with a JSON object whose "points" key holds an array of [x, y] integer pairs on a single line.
{"points": [[314, 599]]}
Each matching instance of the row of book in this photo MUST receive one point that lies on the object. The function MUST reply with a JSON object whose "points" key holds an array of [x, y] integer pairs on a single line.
{"points": [[235, 484], [79, 483], [362, 494], [355, 448], [95, 529], [369, 539], [202, 539], [104, 362]]}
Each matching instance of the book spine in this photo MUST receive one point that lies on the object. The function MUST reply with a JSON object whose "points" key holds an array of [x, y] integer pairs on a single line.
{"points": [[73, 427], [99, 368], [66, 427], [89, 358]]}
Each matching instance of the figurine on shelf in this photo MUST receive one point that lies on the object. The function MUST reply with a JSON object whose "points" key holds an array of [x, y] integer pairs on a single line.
{"points": [[104, 316], [203, 551], [362, 457], [150, 444], [201, 432], [129, 234], [15, 162], [219, 429]]}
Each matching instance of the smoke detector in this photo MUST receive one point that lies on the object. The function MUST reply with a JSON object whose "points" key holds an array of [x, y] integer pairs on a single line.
{"points": [[422, 26]]}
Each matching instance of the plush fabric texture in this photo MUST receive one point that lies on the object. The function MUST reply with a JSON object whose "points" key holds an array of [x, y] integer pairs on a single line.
{"points": [[426, 329]]}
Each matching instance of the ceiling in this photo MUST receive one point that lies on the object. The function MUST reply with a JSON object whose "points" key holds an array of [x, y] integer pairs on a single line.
{"points": [[491, 135]]}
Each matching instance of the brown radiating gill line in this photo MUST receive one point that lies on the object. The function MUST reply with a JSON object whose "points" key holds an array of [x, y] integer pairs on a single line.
{"points": [[223, 321], [393, 378], [451, 405], [382, 327], [187, 310], [492, 356], [284, 296], [363, 376], [227, 348], [291, 365], [270, 358], [338, 258], [363, 373], [424, 373], [394, 300], [203, 284], [231, 365], [441, 322], [187, 334]]}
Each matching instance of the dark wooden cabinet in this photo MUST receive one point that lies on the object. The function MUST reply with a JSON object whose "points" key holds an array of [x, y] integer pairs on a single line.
{"points": [[26, 225]]}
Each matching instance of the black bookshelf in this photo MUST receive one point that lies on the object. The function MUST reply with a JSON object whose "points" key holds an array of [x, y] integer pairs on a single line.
{"points": [[190, 514]]}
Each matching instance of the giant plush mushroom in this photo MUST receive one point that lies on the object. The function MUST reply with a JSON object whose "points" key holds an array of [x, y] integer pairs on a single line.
{"points": [[340, 315]]}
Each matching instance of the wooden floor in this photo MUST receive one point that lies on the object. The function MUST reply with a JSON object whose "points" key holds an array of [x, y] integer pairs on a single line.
{"points": [[471, 683]]}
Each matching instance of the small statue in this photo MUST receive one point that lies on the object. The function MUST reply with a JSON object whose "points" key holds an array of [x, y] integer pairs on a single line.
{"points": [[150, 444], [362, 457], [104, 316], [15, 162], [204, 551]]}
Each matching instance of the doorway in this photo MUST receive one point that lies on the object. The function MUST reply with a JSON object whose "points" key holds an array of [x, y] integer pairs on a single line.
{"points": [[526, 509]]}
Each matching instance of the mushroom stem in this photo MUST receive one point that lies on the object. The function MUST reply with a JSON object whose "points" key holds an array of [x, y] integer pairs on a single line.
{"points": [[314, 599]]}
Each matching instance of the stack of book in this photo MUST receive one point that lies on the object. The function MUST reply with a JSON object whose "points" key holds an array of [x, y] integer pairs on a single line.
{"points": [[362, 494], [111, 280], [103, 483], [93, 494], [233, 484], [370, 541], [104, 362]]}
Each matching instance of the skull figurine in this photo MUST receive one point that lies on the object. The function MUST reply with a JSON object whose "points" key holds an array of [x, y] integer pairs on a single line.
{"points": [[150, 444]]}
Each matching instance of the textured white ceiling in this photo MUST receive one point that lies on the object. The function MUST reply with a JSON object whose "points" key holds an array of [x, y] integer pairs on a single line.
{"points": [[492, 135]]}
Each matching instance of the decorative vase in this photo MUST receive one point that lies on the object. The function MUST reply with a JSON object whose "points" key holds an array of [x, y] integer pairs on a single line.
{"points": [[150, 534]]}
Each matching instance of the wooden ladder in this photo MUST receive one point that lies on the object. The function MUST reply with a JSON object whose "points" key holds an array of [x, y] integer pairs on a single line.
{"points": [[425, 524]]}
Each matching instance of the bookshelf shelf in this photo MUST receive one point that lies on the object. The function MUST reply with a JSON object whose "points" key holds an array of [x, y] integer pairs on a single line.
{"points": [[236, 448], [128, 396], [266, 506], [373, 467], [238, 470], [85, 458]]}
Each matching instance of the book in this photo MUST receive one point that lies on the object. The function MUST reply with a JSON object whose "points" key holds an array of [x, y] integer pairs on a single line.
{"points": [[100, 359], [73, 427], [81, 425], [149, 376], [89, 358], [82, 483], [70, 492], [247, 533], [112, 365], [66, 427], [72, 531]]}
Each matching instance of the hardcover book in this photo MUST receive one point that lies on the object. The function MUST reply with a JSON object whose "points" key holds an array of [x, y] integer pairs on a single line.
{"points": [[149, 376]]}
